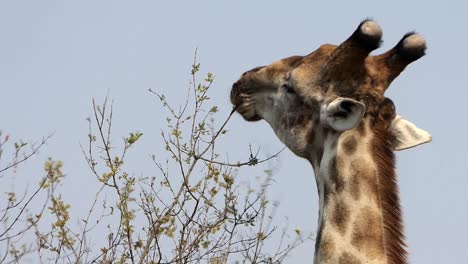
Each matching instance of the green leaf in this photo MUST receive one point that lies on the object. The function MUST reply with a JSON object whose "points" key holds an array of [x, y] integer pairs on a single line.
{"points": [[195, 68], [134, 137]]}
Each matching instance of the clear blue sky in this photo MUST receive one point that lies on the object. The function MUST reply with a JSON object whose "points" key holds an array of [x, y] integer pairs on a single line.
{"points": [[55, 56]]}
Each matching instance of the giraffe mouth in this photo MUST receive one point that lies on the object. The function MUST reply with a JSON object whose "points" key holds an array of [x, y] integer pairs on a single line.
{"points": [[243, 101], [247, 110]]}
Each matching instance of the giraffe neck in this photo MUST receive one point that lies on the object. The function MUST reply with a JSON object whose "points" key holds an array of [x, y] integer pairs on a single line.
{"points": [[359, 217]]}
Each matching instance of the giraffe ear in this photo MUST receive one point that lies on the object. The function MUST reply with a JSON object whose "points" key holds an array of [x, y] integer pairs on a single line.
{"points": [[407, 135], [342, 113]]}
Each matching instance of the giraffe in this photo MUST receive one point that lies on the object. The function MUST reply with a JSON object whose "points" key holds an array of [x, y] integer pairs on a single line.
{"points": [[329, 107]]}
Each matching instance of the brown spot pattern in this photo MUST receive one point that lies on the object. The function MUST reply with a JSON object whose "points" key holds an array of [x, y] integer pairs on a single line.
{"points": [[348, 258], [367, 234], [336, 179], [362, 129], [363, 180], [349, 145], [327, 247], [355, 186], [340, 216]]}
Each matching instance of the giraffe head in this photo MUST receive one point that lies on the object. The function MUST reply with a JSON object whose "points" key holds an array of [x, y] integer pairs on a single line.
{"points": [[331, 90]]}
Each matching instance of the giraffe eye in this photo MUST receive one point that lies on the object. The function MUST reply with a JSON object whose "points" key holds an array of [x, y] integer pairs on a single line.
{"points": [[289, 89], [287, 84]]}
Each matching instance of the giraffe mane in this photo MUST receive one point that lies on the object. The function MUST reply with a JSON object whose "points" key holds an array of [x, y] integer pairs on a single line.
{"points": [[394, 239]]}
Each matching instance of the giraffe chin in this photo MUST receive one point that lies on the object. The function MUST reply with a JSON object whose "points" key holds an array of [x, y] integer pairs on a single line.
{"points": [[253, 118], [248, 113]]}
